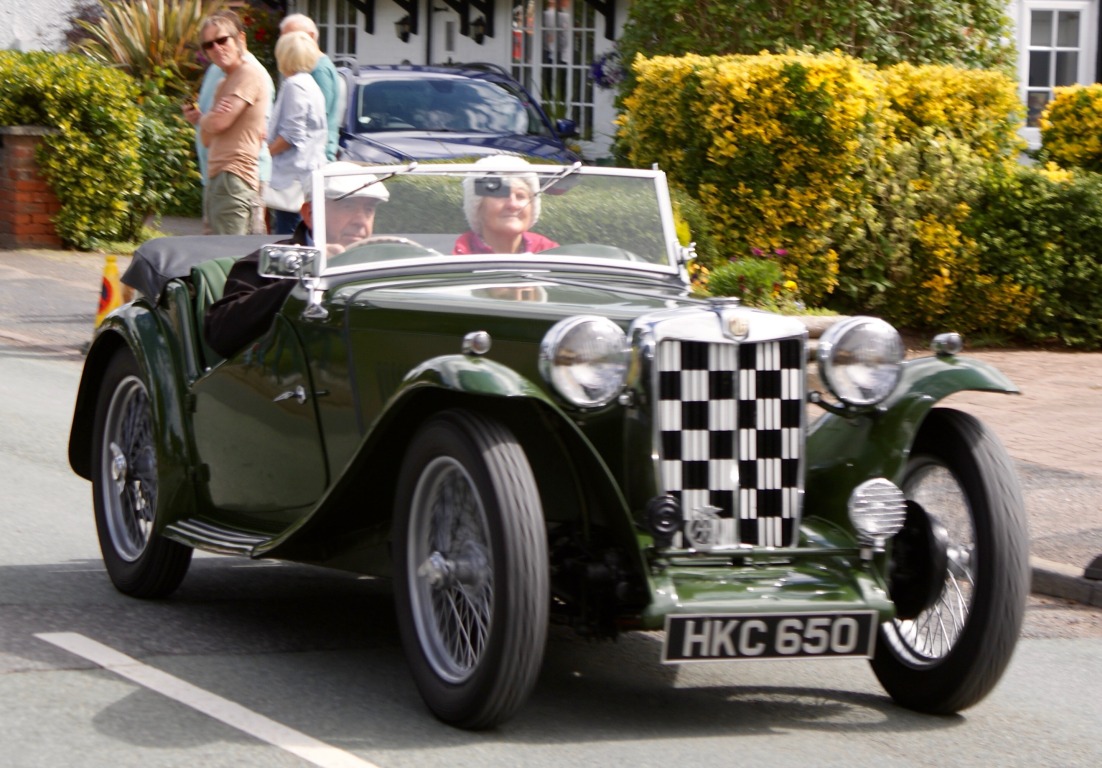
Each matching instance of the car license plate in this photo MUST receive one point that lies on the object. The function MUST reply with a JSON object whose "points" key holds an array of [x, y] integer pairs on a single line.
{"points": [[769, 636]]}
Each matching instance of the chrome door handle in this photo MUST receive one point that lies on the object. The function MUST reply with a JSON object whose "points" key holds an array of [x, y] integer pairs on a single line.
{"points": [[298, 393]]}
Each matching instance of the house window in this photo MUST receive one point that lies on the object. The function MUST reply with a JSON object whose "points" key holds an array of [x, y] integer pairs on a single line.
{"points": [[552, 48], [1056, 39], [336, 20], [1054, 52], [342, 36]]}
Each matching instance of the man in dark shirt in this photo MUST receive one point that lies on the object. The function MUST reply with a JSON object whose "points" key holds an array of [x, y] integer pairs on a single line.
{"points": [[251, 301]]}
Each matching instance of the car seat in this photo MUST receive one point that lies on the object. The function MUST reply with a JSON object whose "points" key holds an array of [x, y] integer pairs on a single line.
{"points": [[208, 280]]}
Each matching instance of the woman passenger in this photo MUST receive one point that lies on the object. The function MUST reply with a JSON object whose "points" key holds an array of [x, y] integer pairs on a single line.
{"points": [[501, 208]]}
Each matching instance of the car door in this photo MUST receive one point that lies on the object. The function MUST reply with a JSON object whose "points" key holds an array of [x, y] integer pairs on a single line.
{"points": [[257, 434]]}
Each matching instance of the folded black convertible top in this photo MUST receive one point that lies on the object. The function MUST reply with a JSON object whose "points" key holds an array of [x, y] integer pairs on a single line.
{"points": [[157, 261]]}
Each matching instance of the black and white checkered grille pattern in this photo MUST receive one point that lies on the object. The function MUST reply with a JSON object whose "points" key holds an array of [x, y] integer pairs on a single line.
{"points": [[729, 425]]}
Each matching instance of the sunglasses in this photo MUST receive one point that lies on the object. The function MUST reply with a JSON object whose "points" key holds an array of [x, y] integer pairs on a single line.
{"points": [[208, 44]]}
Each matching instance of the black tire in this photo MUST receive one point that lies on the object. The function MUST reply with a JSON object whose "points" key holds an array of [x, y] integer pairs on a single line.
{"points": [[124, 487], [953, 653], [471, 574]]}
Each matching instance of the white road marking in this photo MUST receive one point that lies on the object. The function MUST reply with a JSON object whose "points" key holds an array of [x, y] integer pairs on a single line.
{"points": [[308, 748]]}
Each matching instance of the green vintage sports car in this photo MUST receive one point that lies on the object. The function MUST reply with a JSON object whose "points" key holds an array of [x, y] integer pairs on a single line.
{"points": [[560, 434]]}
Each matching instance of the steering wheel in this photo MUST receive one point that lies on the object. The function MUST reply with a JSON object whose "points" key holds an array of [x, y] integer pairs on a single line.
{"points": [[382, 239]]}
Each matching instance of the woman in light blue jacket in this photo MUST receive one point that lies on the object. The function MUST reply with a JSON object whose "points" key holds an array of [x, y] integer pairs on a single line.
{"points": [[297, 131]]}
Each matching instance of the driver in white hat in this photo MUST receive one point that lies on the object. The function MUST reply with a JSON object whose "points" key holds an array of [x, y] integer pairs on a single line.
{"points": [[250, 301], [350, 203]]}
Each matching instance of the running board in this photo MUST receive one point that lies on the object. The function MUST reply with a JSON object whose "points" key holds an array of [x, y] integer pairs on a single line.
{"points": [[200, 534]]}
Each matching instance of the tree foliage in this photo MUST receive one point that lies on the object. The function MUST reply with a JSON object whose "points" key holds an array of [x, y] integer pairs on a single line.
{"points": [[966, 33], [150, 40]]}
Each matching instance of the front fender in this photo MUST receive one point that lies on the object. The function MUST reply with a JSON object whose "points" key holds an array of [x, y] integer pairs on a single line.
{"points": [[574, 480], [472, 375], [139, 329], [479, 383], [844, 450]]}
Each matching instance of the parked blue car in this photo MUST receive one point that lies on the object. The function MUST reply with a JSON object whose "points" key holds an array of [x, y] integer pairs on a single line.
{"points": [[399, 113]]}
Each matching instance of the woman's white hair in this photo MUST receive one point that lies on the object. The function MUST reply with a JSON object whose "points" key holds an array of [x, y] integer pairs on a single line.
{"points": [[508, 166]]}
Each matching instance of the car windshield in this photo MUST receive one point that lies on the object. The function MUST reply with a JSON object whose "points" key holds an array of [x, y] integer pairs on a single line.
{"points": [[610, 217], [448, 104]]}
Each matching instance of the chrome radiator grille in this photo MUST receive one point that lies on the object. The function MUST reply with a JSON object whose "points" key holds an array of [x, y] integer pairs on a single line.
{"points": [[730, 437]]}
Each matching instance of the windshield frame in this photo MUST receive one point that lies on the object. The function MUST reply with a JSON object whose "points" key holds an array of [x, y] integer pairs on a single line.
{"points": [[557, 261]]}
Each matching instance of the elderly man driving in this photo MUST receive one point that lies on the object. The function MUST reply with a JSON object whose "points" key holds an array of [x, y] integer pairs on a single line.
{"points": [[251, 301]]}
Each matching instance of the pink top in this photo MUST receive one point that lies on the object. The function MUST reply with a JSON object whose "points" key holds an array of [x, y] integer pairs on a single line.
{"points": [[531, 242]]}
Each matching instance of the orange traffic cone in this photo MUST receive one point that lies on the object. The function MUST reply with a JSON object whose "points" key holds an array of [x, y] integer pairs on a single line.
{"points": [[110, 294]]}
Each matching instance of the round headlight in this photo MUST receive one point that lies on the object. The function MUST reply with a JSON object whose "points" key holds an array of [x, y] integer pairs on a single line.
{"points": [[585, 359], [859, 359]]}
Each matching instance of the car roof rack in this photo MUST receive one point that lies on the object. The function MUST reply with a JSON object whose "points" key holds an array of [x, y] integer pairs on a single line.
{"points": [[484, 66], [454, 66]]}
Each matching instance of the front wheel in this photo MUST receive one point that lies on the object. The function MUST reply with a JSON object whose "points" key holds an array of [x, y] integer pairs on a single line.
{"points": [[970, 519], [124, 487], [471, 579]]}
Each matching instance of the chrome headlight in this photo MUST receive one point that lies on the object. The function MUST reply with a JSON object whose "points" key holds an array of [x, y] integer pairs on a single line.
{"points": [[859, 359], [585, 359]]}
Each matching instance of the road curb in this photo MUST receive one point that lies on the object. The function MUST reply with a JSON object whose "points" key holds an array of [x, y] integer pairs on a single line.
{"points": [[1060, 580]]}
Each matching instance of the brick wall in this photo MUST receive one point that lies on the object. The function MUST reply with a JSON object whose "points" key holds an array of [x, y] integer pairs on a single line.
{"points": [[27, 206]]}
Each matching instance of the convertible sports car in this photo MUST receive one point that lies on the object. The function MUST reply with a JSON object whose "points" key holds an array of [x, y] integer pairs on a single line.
{"points": [[566, 434]]}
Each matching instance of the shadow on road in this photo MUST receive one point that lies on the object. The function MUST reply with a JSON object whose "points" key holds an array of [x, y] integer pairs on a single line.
{"points": [[320, 651]]}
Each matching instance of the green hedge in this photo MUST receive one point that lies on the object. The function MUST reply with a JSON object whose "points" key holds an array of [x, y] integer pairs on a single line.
{"points": [[1042, 228], [92, 162], [965, 33]]}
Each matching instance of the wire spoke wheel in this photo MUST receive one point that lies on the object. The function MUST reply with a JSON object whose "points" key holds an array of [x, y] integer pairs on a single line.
{"points": [[933, 633], [952, 650], [471, 582], [125, 486], [453, 596], [130, 485]]}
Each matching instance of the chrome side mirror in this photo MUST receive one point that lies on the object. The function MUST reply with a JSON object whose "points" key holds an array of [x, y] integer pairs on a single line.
{"points": [[297, 262], [289, 261], [686, 253]]}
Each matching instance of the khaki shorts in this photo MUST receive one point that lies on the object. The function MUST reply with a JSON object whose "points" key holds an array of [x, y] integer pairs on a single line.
{"points": [[260, 213], [229, 205], [259, 225]]}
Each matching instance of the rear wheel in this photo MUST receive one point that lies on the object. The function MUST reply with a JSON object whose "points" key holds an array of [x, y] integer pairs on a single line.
{"points": [[471, 579], [124, 487], [965, 497]]}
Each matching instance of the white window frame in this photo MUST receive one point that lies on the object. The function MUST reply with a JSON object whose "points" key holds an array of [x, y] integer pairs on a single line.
{"points": [[562, 87], [1088, 47]]}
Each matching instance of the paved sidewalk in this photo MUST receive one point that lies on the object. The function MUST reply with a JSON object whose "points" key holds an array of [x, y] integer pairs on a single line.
{"points": [[1054, 431]]}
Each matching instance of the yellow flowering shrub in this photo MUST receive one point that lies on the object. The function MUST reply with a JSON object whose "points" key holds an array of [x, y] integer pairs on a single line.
{"points": [[1055, 173], [919, 263], [1071, 127], [979, 107], [772, 146], [892, 192]]}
